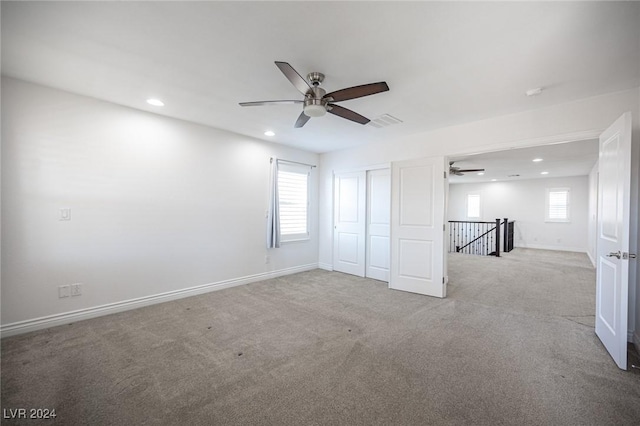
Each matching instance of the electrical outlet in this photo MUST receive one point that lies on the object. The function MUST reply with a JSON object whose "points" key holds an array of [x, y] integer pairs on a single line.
{"points": [[64, 291], [267, 259], [76, 289]]}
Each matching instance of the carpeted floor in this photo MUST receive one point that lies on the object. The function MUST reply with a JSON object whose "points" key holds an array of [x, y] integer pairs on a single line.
{"points": [[513, 344]]}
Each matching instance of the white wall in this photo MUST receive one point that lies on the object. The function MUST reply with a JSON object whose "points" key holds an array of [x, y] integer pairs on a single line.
{"points": [[579, 120], [157, 204], [147, 194], [592, 228], [524, 202]]}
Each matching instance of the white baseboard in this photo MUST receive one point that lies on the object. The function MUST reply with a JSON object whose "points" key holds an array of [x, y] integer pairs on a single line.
{"points": [[635, 339], [593, 261], [555, 248], [27, 326], [325, 266]]}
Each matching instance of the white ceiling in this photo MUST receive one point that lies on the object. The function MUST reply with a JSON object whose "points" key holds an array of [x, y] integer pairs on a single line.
{"points": [[558, 160], [445, 63]]}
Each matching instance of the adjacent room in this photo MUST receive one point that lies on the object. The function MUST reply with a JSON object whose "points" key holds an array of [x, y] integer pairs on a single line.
{"points": [[315, 212], [547, 193]]}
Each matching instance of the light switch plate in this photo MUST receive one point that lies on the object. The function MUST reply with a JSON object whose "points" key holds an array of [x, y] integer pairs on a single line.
{"points": [[64, 291]]}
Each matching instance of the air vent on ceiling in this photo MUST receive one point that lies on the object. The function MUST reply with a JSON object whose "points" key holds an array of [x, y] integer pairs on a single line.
{"points": [[513, 175], [384, 120]]}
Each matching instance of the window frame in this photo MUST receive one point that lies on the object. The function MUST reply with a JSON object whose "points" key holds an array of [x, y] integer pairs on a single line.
{"points": [[479, 196], [302, 170], [547, 205]]}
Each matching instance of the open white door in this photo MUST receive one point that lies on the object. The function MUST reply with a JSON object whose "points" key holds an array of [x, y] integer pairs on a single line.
{"points": [[417, 226], [349, 223], [612, 285], [378, 215]]}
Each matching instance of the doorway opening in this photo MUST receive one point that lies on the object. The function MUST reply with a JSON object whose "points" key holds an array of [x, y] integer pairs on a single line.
{"points": [[602, 233], [548, 191]]}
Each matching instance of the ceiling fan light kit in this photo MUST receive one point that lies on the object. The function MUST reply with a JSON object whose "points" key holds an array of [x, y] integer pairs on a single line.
{"points": [[317, 102], [314, 108]]}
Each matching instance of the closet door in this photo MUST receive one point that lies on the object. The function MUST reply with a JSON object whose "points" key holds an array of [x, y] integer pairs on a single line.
{"points": [[378, 225], [349, 223]]}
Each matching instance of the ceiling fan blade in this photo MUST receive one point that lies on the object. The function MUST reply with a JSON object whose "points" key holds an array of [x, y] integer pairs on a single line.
{"points": [[261, 103], [471, 170], [357, 91], [293, 76], [347, 113], [302, 120]]}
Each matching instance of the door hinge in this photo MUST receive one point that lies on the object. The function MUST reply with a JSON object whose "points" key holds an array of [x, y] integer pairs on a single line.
{"points": [[442, 280], [445, 174], [444, 227]]}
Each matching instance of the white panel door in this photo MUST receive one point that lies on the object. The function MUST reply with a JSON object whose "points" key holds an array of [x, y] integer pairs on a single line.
{"points": [[378, 215], [349, 223], [612, 286], [417, 226]]}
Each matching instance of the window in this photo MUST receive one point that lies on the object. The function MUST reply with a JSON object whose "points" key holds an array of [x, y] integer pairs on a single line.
{"points": [[473, 206], [557, 206], [293, 198]]}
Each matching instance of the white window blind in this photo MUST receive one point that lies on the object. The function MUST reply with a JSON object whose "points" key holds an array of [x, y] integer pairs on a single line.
{"points": [[473, 206], [293, 192], [557, 205]]}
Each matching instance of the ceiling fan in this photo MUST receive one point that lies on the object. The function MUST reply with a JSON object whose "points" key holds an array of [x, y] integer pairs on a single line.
{"points": [[460, 172], [317, 102]]}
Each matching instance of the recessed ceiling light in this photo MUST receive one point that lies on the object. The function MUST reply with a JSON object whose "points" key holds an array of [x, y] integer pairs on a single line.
{"points": [[481, 174], [544, 173], [494, 180], [537, 160], [269, 133], [534, 92], [155, 102]]}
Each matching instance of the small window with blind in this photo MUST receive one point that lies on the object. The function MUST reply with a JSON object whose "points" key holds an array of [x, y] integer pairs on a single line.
{"points": [[473, 206], [293, 197], [557, 205]]}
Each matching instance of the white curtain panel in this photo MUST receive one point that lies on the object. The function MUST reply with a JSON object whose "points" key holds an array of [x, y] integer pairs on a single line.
{"points": [[273, 219]]}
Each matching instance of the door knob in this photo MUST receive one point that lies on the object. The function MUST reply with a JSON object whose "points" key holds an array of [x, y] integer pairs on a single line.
{"points": [[615, 254]]}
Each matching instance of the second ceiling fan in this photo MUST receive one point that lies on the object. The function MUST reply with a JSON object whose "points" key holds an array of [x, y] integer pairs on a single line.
{"points": [[458, 171], [317, 102]]}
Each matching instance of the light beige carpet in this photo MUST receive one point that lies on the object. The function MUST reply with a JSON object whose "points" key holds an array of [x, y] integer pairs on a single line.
{"points": [[513, 344]]}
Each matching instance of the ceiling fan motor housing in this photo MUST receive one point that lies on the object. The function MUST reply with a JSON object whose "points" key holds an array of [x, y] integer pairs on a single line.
{"points": [[315, 78]]}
